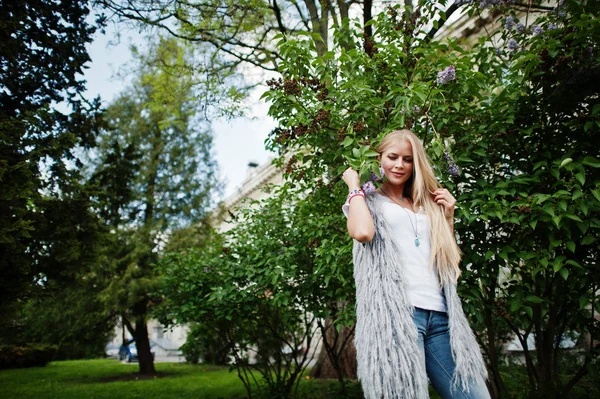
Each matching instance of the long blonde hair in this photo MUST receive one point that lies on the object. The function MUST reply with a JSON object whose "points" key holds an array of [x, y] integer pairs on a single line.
{"points": [[445, 253]]}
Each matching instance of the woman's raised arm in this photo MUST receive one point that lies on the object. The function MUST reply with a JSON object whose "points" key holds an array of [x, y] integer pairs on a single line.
{"points": [[360, 222]]}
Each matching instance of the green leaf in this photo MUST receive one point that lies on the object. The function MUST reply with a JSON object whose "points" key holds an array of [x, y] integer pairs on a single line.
{"points": [[480, 152], [571, 246], [591, 161], [563, 206], [583, 227], [515, 304], [533, 223], [533, 299], [549, 209], [528, 310], [577, 194], [581, 177], [347, 141], [557, 265], [503, 254], [583, 301], [587, 240], [565, 162], [564, 272], [556, 220], [554, 242], [573, 217], [541, 198]]}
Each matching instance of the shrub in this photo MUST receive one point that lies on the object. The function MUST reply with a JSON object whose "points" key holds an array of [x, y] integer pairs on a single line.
{"points": [[26, 356], [204, 344]]}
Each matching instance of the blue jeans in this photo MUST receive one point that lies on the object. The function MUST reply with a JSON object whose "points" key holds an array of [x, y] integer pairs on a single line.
{"points": [[434, 344]]}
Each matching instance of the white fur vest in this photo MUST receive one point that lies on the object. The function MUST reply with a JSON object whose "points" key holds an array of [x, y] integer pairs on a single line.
{"points": [[386, 336]]}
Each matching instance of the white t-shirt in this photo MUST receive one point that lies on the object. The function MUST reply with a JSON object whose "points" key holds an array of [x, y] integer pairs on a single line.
{"points": [[424, 289]]}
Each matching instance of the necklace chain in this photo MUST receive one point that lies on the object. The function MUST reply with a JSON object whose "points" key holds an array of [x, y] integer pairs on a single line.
{"points": [[415, 228]]}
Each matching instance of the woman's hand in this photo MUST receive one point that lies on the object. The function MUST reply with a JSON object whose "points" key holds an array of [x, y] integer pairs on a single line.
{"points": [[442, 197], [350, 176]]}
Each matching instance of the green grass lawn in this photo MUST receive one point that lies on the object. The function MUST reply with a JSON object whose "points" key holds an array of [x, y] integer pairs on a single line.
{"points": [[108, 378], [100, 379]]}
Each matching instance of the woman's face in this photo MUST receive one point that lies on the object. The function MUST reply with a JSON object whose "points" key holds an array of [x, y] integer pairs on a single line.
{"points": [[397, 162]]}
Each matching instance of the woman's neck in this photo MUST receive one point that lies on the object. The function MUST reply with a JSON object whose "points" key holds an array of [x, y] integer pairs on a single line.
{"points": [[393, 190]]}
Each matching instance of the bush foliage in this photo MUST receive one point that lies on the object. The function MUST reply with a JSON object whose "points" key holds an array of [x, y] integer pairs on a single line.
{"points": [[12, 357]]}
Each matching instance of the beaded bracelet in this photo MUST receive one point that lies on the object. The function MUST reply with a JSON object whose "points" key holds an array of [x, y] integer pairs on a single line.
{"points": [[355, 193]]}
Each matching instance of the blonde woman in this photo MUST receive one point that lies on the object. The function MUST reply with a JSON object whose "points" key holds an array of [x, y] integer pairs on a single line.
{"points": [[410, 325]]}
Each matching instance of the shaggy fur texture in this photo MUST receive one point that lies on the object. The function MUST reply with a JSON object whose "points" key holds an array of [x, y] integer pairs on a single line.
{"points": [[389, 365]]}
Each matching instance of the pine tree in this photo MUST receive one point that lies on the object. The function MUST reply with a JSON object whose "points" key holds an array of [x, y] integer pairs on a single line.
{"points": [[47, 230]]}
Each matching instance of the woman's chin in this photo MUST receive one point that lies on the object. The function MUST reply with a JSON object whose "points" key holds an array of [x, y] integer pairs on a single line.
{"points": [[395, 181]]}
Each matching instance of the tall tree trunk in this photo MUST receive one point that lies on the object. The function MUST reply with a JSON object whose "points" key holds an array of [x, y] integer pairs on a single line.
{"points": [[140, 336], [367, 16], [500, 390], [145, 359], [346, 360], [317, 23]]}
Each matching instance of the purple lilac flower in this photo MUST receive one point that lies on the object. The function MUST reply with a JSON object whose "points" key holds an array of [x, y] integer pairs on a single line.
{"points": [[487, 3], [520, 28], [494, 3], [512, 45], [453, 169], [447, 75], [551, 26], [509, 23], [416, 109], [560, 9], [589, 51], [374, 177], [498, 51], [537, 30], [368, 187]]}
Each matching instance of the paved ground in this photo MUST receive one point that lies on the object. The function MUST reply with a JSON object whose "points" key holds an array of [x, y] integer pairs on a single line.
{"points": [[169, 359]]}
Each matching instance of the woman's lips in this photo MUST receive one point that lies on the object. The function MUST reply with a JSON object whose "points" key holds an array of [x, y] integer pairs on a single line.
{"points": [[396, 174]]}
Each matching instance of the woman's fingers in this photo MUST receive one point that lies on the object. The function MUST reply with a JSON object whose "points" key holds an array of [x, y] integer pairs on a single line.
{"points": [[448, 198]]}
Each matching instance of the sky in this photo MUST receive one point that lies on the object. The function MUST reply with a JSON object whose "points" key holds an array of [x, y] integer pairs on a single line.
{"points": [[236, 142]]}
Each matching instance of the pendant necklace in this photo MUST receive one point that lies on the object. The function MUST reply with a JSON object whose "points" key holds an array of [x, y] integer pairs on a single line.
{"points": [[415, 226], [415, 229]]}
